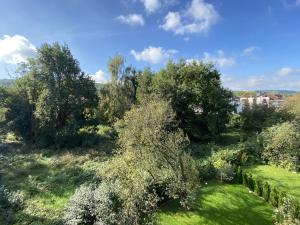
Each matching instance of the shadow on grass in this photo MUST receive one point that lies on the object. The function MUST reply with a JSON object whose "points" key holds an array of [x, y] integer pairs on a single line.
{"points": [[224, 205]]}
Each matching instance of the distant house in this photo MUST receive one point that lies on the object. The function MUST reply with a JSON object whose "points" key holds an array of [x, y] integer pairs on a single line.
{"points": [[270, 100]]}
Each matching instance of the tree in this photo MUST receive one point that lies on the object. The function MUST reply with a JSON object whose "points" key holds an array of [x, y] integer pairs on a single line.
{"points": [[152, 161], [145, 84], [117, 96], [201, 104], [55, 95], [281, 145]]}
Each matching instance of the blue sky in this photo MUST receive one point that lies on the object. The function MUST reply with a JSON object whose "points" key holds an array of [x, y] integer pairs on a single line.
{"points": [[255, 44]]}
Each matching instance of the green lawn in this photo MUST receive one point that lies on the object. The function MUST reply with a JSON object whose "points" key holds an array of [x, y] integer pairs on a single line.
{"points": [[281, 178], [226, 204], [47, 179]]}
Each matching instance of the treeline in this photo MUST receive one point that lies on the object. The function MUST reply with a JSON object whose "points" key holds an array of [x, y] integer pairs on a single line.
{"points": [[152, 116], [54, 99]]}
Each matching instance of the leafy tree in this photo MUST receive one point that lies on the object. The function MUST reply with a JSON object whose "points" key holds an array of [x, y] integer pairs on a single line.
{"points": [[50, 101], [281, 144], [201, 104], [145, 84], [151, 162], [117, 96]]}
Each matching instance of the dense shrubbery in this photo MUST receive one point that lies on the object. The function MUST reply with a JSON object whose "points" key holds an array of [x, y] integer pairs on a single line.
{"points": [[282, 145], [152, 164], [288, 213], [95, 205], [10, 203]]}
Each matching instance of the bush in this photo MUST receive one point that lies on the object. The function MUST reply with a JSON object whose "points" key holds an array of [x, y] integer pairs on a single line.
{"points": [[94, 205], [239, 175], [274, 197], [250, 182], [288, 213], [206, 170], [281, 145], [245, 179], [266, 191], [258, 189], [10, 203]]}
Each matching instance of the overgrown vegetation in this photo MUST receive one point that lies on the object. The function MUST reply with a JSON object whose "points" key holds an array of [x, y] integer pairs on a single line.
{"points": [[71, 153]]}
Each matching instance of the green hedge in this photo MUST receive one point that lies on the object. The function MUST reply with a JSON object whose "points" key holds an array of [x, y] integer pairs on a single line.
{"points": [[273, 195]]}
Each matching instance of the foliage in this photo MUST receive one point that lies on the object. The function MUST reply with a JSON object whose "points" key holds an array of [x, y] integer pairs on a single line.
{"points": [[151, 162], [49, 102], [223, 163], [90, 205], [292, 106], [201, 104], [92, 135], [281, 145], [10, 203], [255, 118], [117, 96], [288, 213], [235, 121]]}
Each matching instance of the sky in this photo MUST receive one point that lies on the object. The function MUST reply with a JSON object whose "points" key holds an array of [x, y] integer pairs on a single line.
{"points": [[254, 44]]}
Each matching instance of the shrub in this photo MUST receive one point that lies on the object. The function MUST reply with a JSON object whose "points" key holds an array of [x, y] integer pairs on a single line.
{"points": [[281, 197], [281, 145], [239, 175], [244, 179], [94, 205], [266, 191], [258, 186], [288, 213], [250, 182], [274, 197], [206, 170], [10, 203]]}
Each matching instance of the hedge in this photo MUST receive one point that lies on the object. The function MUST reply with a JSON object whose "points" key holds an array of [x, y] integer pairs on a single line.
{"points": [[273, 195]]}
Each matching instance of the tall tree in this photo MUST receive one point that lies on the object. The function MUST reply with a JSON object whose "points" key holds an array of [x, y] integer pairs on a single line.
{"points": [[56, 92], [201, 104]]}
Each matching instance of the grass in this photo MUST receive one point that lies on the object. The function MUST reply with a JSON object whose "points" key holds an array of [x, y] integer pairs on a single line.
{"points": [[47, 179], [226, 204], [276, 176]]}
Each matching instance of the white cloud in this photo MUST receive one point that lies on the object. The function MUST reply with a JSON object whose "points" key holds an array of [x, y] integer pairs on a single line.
{"points": [[151, 5], [100, 77], [250, 50], [15, 49], [172, 21], [153, 55], [197, 18], [287, 71], [220, 59], [132, 19], [285, 78]]}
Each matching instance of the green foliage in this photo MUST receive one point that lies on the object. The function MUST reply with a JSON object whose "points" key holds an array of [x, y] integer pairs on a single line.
{"points": [[151, 154], [288, 213], [90, 205], [258, 188], [235, 121], [118, 96], [254, 119], [281, 145], [274, 196], [206, 170], [49, 102], [223, 163], [10, 203], [266, 191], [201, 104]]}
